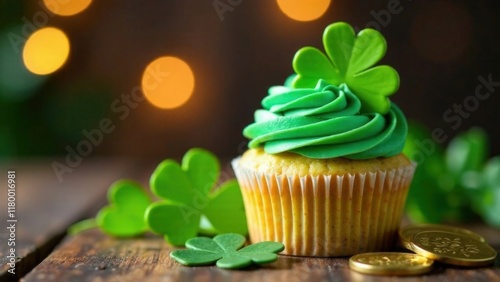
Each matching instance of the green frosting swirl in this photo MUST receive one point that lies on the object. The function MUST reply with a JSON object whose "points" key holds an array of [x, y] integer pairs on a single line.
{"points": [[325, 122]]}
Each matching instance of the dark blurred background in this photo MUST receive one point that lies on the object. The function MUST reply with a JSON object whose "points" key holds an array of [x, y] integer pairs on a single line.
{"points": [[236, 49]]}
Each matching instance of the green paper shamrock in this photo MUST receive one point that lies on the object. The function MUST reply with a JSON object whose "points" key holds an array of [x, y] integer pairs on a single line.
{"points": [[188, 198], [350, 60], [225, 250], [124, 216]]}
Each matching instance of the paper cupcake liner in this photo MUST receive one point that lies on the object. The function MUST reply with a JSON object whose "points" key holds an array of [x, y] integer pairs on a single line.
{"points": [[327, 215]]}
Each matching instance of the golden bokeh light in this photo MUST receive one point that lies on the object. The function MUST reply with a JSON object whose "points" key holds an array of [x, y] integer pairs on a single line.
{"points": [[66, 7], [303, 10], [168, 82], [46, 51]]}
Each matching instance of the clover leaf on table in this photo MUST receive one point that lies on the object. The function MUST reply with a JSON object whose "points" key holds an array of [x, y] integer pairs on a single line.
{"points": [[349, 60], [188, 197], [224, 250], [124, 216]]}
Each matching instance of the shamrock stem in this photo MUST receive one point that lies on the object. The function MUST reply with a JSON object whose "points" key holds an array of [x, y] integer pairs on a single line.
{"points": [[206, 228], [81, 226]]}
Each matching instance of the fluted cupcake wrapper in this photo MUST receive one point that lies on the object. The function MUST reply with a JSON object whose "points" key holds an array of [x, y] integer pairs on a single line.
{"points": [[327, 215]]}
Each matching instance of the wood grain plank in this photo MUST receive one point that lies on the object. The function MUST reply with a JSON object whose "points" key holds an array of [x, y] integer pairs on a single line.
{"points": [[94, 256], [45, 207]]}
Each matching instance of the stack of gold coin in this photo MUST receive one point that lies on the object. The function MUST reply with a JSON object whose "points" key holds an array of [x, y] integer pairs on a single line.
{"points": [[446, 244]]}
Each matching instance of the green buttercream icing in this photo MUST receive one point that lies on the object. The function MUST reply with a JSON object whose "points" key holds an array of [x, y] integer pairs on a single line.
{"points": [[325, 122]]}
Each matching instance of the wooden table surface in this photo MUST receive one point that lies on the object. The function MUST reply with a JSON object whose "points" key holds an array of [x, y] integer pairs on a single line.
{"points": [[45, 207]]}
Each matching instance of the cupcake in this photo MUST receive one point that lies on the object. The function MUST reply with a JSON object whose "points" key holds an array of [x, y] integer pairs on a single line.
{"points": [[324, 173]]}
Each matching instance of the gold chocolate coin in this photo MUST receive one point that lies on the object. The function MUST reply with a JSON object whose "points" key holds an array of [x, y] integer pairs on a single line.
{"points": [[387, 263], [406, 233], [453, 248]]}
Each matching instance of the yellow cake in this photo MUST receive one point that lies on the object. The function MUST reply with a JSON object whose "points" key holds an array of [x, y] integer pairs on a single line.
{"points": [[323, 207]]}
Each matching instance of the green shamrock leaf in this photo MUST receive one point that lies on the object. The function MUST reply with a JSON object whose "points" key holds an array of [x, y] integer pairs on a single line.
{"points": [[490, 205], [225, 250], [349, 59], [425, 189], [465, 158], [188, 197], [467, 152], [456, 184], [125, 215]]}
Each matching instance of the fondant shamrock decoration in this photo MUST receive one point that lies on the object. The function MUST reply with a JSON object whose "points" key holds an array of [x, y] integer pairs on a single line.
{"points": [[225, 250], [349, 59], [124, 216], [188, 197]]}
